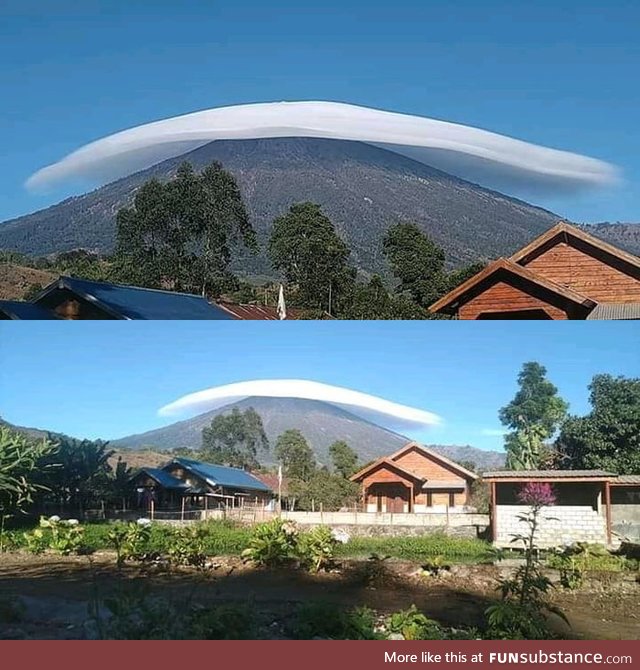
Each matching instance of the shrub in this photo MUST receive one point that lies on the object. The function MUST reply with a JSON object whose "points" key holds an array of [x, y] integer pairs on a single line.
{"points": [[187, 546], [272, 543], [130, 540], [64, 536], [327, 620], [414, 625], [316, 548]]}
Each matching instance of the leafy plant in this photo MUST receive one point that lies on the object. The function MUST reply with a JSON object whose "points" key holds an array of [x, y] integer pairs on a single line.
{"points": [[130, 540], [316, 548], [414, 625], [435, 565], [187, 546], [328, 620], [272, 543], [65, 535]]}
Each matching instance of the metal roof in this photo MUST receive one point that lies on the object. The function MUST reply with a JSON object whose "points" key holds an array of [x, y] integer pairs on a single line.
{"points": [[164, 478], [220, 475], [627, 479], [551, 474], [25, 310], [611, 311], [133, 302]]}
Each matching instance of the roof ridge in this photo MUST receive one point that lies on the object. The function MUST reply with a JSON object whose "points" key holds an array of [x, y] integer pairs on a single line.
{"points": [[130, 286]]}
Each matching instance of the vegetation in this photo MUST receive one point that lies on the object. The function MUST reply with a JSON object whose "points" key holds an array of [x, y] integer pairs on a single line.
{"points": [[345, 459], [234, 439], [295, 454], [179, 234], [533, 416], [608, 437]]}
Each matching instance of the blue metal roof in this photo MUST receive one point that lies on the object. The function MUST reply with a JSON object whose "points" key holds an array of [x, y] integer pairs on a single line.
{"points": [[133, 302], [164, 478], [222, 475], [25, 310]]}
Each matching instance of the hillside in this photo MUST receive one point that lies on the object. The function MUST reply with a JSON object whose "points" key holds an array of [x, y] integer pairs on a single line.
{"points": [[16, 280], [321, 423], [364, 189]]}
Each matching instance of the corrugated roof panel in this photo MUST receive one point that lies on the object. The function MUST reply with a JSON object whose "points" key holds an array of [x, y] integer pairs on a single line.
{"points": [[615, 311], [223, 475], [17, 310], [134, 302], [540, 474], [165, 479]]}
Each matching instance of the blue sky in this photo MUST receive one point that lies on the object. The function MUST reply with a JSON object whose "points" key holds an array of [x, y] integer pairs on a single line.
{"points": [[562, 73], [108, 379]]}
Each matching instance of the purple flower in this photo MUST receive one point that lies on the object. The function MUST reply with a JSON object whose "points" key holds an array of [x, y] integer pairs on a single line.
{"points": [[537, 494]]}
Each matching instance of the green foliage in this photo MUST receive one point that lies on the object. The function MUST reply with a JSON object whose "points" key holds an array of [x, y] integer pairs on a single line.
{"points": [[305, 247], [316, 548], [234, 439], [272, 543], [179, 234], [417, 262], [414, 625], [331, 621], [371, 300], [533, 415], [64, 536], [188, 546], [295, 454], [576, 560], [344, 458], [608, 437], [323, 488], [511, 620], [130, 540], [22, 460]]}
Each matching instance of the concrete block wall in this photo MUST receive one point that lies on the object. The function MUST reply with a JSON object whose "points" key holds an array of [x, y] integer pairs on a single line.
{"points": [[559, 526]]}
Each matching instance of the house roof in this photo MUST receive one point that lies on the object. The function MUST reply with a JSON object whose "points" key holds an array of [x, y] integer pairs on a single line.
{"points": [[17, 310], [221, 475], [562, 231], [548, 475], [434, 455], [134, 302], [256, 312], [166, 480], [508, 266], [627, 480], [615, 311], [444, 486], [380, 462]]}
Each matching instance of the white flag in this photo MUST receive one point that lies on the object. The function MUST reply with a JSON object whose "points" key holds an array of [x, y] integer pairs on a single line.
{"points": [[282, 308]]}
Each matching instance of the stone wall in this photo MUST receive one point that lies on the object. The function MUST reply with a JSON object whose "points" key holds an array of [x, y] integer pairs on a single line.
{"points": [[559, 525]]}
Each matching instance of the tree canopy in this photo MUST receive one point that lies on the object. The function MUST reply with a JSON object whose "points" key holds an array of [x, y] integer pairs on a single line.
{"points": [[534, 415], [234, 439], [345, 459], [179, 234], [295, 454], [608, 437], [305, 247]]}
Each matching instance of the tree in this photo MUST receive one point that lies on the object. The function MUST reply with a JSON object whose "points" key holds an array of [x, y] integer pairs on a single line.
{"points": [[534, 415], [179, 234], [371, 300], [417, 262], [305, 247], [331, 491], [234, 439], [21, 460], [344, 458], [608, 437], [295, 454]]}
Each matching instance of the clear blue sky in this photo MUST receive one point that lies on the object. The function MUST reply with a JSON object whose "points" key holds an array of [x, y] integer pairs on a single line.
{"points": [[108, 379], [563, 73]]}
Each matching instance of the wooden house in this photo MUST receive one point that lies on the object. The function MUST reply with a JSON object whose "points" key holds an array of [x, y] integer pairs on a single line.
{"points": [[414, 479], [563, 274]]}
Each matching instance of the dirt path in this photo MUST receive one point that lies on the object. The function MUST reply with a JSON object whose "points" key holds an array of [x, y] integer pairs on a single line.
{"points": [[56, 591]]}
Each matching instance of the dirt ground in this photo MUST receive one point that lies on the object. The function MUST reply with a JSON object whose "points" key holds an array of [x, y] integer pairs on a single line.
{"points": [[56, 591]]}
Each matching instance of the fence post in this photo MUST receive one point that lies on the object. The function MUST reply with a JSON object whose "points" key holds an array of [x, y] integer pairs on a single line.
{"points": [[321, 513], [104, 516], [153, 507], [182, 510]]}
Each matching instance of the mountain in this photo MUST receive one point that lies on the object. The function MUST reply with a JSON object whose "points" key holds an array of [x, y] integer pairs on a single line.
{"points": [[321, 423], [362, 188]]}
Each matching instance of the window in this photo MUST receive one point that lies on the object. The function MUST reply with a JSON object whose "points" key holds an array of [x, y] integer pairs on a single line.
{"points": [[452, 499], [429, 499]]}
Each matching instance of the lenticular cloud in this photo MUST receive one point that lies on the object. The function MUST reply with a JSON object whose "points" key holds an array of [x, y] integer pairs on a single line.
{"points": [[357, 402], [456, 148]]}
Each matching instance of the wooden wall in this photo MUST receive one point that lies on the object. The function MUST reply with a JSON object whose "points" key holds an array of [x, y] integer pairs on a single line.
{"points": [[594, 277]]}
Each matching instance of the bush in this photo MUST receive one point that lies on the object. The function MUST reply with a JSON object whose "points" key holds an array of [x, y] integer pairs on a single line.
{"points": [[64, 536], [130, 540], [187, 546], [413, 625], [316, 548], [330, 621], [272, 543]]}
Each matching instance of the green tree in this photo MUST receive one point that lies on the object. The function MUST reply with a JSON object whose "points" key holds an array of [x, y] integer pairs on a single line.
{"points": [[344, 458], [371, 300], [305, 247], [457, 277], [533, 416], [21, 461], [180, 234], [234, 439], [331, 491], [417, 262], [295, 454], [608, 437]]}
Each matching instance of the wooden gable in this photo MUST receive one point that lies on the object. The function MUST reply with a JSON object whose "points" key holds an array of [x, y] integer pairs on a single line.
{"points": [[430, 466]]}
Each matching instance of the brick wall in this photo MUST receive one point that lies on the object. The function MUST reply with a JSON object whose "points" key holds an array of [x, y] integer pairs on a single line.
{"points": [[560, 525]]}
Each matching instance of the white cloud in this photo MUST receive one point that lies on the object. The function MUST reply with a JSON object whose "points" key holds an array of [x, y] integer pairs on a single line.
{"points": [[357, 402], [463, 150]]}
